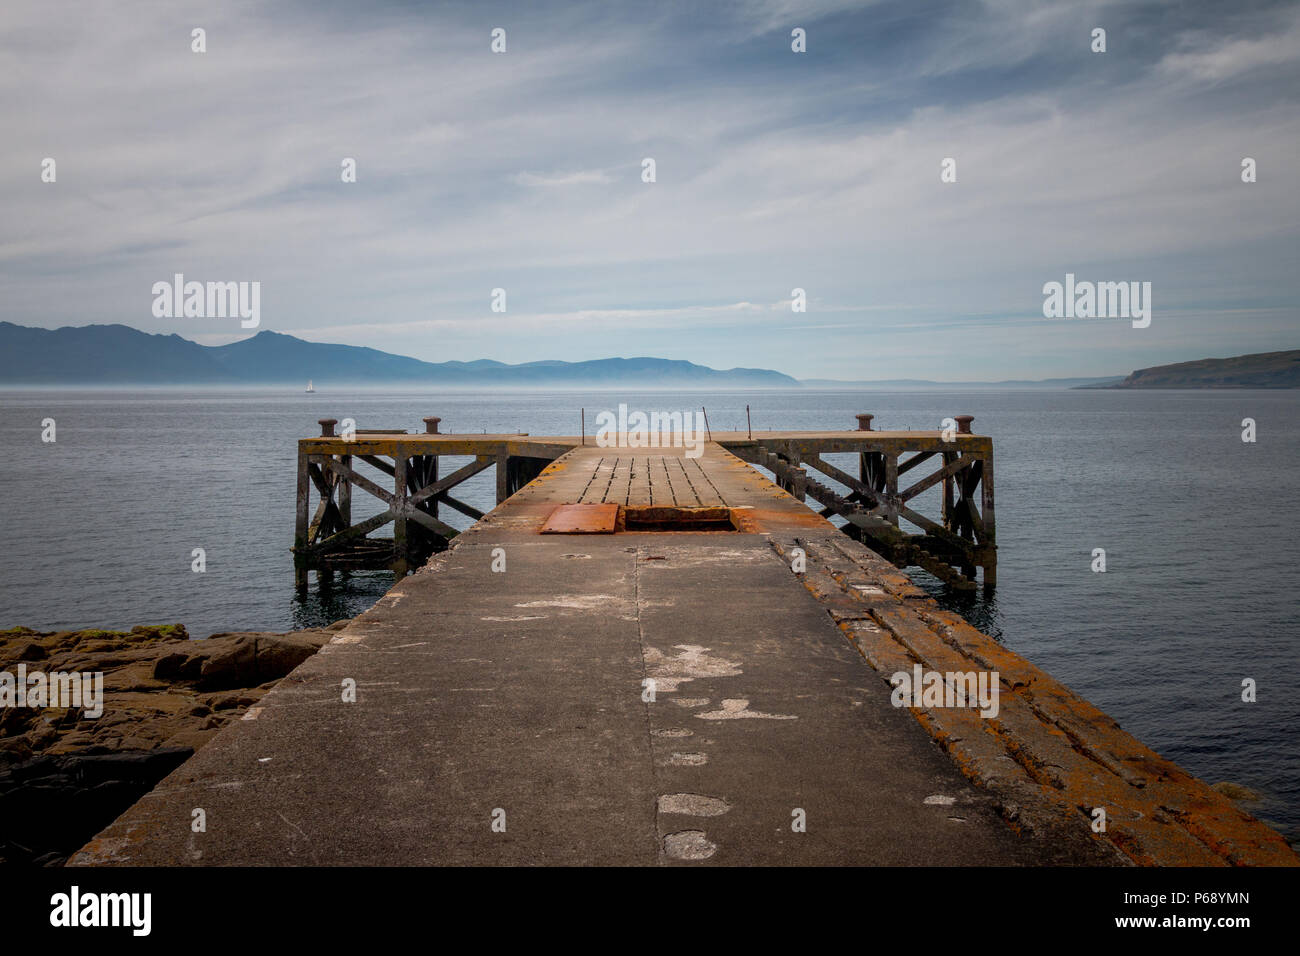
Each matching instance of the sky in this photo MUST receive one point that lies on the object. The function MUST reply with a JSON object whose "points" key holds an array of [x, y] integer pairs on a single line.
{"points": [[774, 170]]}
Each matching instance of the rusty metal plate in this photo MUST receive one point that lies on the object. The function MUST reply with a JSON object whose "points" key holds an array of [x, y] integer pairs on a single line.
{"points": [[582, 519]]}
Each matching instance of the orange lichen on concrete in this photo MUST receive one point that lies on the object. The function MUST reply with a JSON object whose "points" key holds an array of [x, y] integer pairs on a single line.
{"points": [[1053, 757]]}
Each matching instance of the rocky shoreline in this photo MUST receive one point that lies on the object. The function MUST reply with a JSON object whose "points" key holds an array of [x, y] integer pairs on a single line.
{"points": [[65, 774]]}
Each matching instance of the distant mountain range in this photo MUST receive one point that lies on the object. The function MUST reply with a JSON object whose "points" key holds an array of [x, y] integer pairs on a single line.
{"points": [[1261, 370], [118, 355]]}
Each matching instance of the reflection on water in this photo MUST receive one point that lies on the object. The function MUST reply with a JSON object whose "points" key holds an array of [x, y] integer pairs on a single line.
{"points": [[345, 595], [978, 607]]}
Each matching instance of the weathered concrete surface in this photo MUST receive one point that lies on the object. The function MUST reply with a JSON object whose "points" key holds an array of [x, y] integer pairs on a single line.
{"points": [[521, 696]]}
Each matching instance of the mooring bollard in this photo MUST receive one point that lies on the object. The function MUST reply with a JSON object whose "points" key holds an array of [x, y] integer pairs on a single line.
{"points": [[327, 427], [864, 422], [431, 425], [963, 423]]}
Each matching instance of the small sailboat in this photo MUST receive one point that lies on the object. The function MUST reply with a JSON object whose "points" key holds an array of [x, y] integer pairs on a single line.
{"points": [[310, 388]]}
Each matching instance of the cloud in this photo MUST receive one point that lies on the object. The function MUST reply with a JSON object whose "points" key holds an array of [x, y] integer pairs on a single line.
{"points": [[1215, 58], [580, 178]]}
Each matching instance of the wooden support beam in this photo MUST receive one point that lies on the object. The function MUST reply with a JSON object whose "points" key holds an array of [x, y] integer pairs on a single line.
{"points": [[452, 480], [934, 528], [377, 462], [990, 523], [503, 477], [356, 531], [843, 477], [989, 536], [328, 517], [905, 466], [300, 525], [422, 473], [365, 484], [344, 495], [468, 510], [400, 509], [871, 468], [427, 520], [891, 487], [521, 469], [319, 478], [326, 521], [931, 480], [948, 458], [941, 570], [880, 523]]}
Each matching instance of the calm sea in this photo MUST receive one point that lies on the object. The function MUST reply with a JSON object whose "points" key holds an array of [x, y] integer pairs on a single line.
{"points": [[1199, 529]]}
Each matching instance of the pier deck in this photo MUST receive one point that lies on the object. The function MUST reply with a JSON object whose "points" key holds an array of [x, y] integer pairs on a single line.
{"points": [[503, 715]]}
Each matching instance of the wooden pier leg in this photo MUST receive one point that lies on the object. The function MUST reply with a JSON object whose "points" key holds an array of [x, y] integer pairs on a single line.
{"points": [[503, 477], [300, 526], [799, 482], [948, 458], [430, 470], [891, 486], [401, 557], [990, 528], [967, 512], [343, 497], [798, 477], [521, 469], [871, 470], [431, 473]]}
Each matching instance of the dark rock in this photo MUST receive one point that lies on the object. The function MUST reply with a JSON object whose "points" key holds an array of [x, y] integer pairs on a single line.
{"points": [[178, 667], [255, 658], [32, 652], [51, 805]]}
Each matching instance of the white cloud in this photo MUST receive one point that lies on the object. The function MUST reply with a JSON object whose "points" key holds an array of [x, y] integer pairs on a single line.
{"points": [[580, 178], [1230, 57]]}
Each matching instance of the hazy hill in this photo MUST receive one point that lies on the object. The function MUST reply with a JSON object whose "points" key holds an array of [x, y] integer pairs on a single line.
{"points": [[118, 355], [1261, 370], [921, 383]]}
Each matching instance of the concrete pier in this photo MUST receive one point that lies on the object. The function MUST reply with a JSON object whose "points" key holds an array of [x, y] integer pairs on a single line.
{"points": [[703, 680]]}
